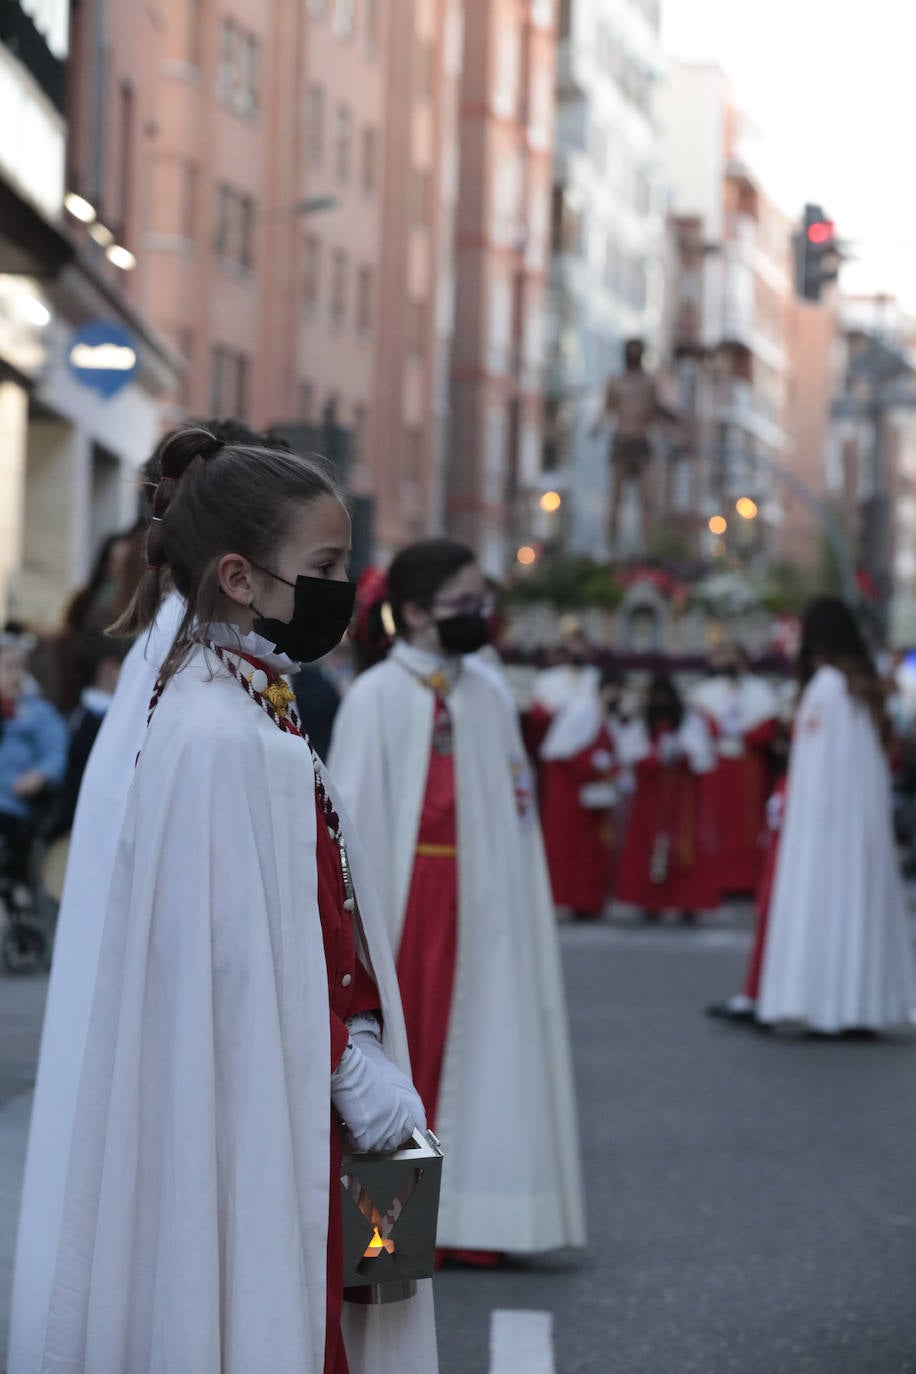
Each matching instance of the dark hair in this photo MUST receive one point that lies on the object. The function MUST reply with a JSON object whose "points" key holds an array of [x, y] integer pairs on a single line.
{"points": [[832, 636], [418, 572], [94, 650], [661, 685], [226, 431], [215, 498], [612, 675]]}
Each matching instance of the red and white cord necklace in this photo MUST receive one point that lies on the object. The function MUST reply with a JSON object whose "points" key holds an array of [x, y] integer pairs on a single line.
{"points": [[283, 722]]}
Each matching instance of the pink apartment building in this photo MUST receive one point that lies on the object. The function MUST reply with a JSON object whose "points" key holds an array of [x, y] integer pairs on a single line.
{"points": [[501, 265]]}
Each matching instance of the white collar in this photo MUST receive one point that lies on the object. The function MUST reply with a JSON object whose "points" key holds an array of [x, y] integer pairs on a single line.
{"points": [[425, 665], [230, 637], [95, 700]]}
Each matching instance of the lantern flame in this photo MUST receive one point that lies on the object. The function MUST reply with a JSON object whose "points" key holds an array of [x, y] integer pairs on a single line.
{"points": [[377, 1245]]}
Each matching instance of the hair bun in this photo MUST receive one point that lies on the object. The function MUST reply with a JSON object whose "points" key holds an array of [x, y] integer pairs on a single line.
{"points": [[182, 447]]}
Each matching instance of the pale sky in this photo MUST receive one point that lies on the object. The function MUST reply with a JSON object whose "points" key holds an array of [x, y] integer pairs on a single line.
{"points": [[831, 86]]}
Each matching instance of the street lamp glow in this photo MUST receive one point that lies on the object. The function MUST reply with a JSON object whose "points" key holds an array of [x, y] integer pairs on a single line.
{"points": [[551, 501], [526, 555], [101, 233], [718, 525], [747, 508], [79, 207], [121, 257]]}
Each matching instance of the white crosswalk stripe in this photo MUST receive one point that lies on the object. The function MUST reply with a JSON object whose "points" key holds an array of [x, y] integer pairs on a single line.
{"points": [[521, 1342]]}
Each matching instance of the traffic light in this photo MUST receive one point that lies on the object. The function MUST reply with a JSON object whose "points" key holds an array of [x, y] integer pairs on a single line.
{"points": [[817, 254]]}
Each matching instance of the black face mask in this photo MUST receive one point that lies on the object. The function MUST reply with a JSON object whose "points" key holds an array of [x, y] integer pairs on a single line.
{"points": [[322, 611], [464, 634]]}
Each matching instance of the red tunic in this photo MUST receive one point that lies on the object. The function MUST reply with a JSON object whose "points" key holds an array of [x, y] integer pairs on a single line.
{"points": [[667, 859], [775, 809], [738, 792], [578, 840], [429, 941], [351, 989]]}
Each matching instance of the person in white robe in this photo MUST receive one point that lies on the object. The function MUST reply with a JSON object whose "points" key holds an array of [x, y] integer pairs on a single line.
{"points": [[77, 943], [505, 1108], [838, 954], [195, 1214]]}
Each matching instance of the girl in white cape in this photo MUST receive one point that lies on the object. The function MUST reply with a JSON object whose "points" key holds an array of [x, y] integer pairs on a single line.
{"points": [[245, 1001], [838, 952], [429, 759]]}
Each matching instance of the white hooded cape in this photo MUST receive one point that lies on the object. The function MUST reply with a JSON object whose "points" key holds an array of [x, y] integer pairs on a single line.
{"points": [[96, 827], [191, 1230], [506, 1112], [838, 949], [748, 702]]}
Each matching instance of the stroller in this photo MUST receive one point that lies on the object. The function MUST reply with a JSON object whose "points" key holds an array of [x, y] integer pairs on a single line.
{"points": [[28, 911]]}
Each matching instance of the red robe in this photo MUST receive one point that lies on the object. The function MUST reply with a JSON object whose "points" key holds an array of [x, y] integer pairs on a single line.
{"points": [[429, 940], [775, 809], [738, 791], [578, 839], [669, 832], [351, 989]]}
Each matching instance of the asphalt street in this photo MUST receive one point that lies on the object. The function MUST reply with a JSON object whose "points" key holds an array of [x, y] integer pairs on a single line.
{"points": [[752, 1200]]}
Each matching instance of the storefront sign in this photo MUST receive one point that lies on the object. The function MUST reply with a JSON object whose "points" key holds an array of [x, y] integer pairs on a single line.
{"points": [[102, 356]]}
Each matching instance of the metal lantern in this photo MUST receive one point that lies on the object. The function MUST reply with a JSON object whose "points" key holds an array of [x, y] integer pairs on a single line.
{"points": [[390, 1205]]}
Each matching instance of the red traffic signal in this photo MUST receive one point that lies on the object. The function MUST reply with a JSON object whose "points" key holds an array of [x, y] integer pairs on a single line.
{"points": [[822, 232]]}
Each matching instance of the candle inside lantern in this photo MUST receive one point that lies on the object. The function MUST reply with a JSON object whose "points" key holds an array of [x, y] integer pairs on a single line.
{"points": [[377, 1245]]}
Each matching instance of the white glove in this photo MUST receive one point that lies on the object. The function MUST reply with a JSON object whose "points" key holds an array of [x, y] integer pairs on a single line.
{"points": [[669, 749], [372, 1108], [366, 1034]]}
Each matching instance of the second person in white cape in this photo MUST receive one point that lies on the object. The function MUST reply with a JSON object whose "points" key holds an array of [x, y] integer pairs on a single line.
{"points": [[429, 759], [241, 990]]}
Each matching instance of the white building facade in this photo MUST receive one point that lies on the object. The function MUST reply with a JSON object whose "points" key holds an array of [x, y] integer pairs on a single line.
{"points": [[730, 296], [608, 227]]}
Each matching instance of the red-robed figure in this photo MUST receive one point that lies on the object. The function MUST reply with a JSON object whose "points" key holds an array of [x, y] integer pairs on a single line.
{"points": [[741, 712], [668, 859], [578, 798]]}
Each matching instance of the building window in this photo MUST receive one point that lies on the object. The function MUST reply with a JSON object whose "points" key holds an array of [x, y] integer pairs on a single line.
{"points": [[370, 160], [311, 275], [306, 400], [364, 300], [189, 199], [420, 191], [564, 19], [424, 59], [195, 31], [360, 432], [234, 240], [372, 27], [239, 68], [344, 18], [125, 168], [416, 328], [565, 223], [314, 130], [413, 455], [343, 132], [542, 13], [338, 286], [185, 340], [229, 383]]}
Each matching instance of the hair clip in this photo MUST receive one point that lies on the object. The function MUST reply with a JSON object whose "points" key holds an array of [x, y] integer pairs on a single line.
{"points": [[155, 519]]}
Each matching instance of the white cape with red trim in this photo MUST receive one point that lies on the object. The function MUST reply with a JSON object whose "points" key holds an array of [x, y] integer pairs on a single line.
{"points": [[747, 703], [839, 948], [194, 1218], [506, 1114]]}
